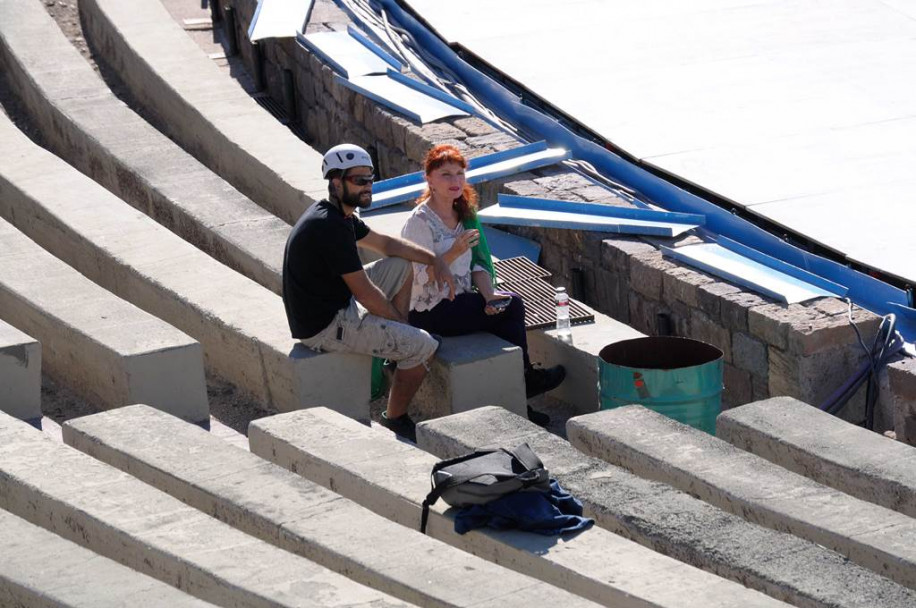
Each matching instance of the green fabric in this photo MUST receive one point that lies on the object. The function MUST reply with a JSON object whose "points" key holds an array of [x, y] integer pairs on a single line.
{"points": [[480, 253], [378, 379]]}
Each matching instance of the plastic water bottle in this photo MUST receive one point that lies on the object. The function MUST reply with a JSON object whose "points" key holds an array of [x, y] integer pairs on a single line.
{"points": [[562, 299]]}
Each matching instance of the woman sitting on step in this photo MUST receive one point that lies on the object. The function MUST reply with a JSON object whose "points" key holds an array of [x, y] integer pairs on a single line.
{"points": [[445, 222]]}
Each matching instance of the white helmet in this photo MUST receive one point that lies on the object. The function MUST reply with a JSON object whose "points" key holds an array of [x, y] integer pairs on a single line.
{"points": [[343, 157]]}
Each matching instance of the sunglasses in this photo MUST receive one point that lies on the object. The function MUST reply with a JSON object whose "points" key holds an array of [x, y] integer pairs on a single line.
{"points": [[360, 180]]}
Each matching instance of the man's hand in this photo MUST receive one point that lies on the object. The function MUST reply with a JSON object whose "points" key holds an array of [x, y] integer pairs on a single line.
{"points": [[442, 275]]}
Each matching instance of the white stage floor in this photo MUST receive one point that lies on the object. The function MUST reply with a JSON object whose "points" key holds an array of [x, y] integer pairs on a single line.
{"points": [[802, 111]]}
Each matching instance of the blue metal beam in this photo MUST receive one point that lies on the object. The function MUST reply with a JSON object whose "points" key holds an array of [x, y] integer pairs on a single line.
{"points": [[649, 215]]}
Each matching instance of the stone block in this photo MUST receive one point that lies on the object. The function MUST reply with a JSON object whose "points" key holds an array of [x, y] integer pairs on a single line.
{"points": [[600, 194], [813, 332], [562, 181], [437, 132], [706, 330], [616, 252], [734, 309], [20, 374], [768, 323], [524, 184], [473, 126], [497, 141], [646, 273], [682, 285], [902, 382], [709, 297], [611, 294], [749, 354], [416, 144], [738, 387]]}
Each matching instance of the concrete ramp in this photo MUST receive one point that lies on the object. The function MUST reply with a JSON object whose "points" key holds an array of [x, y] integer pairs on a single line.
{"points": [[42, 570], [204, 110], [86, 125], [241, 325], [300, 516], [20, 374], [657, 447], [391, 478], [107, 350], [833, 452], [117, 516], [672, 522]]}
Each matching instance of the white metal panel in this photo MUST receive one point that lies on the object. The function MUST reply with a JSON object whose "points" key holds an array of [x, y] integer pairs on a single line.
{"points": [[278, 19]]}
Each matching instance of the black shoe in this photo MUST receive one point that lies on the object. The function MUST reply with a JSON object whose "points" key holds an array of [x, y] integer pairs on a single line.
{"points": [[539, 418], [539, 380], [402, 426]]}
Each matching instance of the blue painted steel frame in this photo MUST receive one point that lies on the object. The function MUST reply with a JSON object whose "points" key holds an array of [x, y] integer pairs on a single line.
{"points": [[866, 291], [648, 215], [416, 181]]}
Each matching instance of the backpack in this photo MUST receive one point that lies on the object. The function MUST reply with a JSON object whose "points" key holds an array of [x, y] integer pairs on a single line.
{"points": [[484, 475]]}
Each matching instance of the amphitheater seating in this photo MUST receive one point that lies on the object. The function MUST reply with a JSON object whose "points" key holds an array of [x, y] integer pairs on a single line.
{"points": [[673, 522], [41, 570], [121, 518], [804, 439], [241, 325], [202, 109], [282, 508], [654, 446], [20, 373], [86, 125], [102, 347], [392, 478]]}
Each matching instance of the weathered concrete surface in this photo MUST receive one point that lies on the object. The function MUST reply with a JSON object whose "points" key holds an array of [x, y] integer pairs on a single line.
{"points": [[815, 444], [241, 325], [298, 515], [20, 372], [205, 111], [674, 523], [579, 356], [657, 447], [470, 371], [104, 348], [122, 518], [392, 478], [41, 570], [86, 125]]}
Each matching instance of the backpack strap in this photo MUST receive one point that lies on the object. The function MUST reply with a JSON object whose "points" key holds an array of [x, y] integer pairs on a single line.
{"points": [[525, 455]]}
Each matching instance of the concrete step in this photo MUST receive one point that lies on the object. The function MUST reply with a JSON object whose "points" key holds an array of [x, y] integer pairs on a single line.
{"points": [[657, 447], [391, 478], [204, 110], [20, 374], [300, 516], [86, 125], [42, 570], [117, 516], [103, 348], [674, 523], [833, 452], [241, 325]]}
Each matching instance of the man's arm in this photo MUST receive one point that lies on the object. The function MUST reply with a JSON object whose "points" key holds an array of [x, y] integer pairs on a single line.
{"points": [[370, 296], [394, 247]]}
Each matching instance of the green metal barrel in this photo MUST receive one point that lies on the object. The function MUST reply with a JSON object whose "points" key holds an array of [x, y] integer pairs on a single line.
{"points": [[677, 377]]}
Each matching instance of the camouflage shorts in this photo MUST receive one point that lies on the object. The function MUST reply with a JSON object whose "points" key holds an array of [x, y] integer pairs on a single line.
{"points": [[355, 330]]}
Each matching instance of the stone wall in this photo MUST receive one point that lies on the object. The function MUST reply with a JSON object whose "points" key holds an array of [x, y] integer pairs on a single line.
{"points": [[801, 350]]}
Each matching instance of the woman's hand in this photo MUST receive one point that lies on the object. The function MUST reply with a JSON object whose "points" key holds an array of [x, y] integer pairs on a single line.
{"points": [[440, 272], [465, 240], [497, 305]]}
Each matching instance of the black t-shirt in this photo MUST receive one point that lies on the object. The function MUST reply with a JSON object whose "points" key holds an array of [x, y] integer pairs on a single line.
{"points": [[321, 248]]}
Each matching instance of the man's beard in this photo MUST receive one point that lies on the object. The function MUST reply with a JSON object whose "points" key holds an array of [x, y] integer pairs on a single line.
{"points": [[355, 200]]}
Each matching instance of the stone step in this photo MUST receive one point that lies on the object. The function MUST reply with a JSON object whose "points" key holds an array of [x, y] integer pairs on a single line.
{"points": [[115, 515], [282, 508], [833, 452], [103, 348], [674, 523], [391, 477], [657, 447], [20, 374], [201, 108], [86, 125], [241, 325], [42, 570]]}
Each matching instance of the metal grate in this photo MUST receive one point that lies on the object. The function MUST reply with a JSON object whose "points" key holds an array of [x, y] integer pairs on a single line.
{"points": [[526, 279], [518, 269], [279, 112]]}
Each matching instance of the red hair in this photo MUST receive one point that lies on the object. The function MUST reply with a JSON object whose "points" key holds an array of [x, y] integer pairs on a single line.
{"points": [[466, 204]]}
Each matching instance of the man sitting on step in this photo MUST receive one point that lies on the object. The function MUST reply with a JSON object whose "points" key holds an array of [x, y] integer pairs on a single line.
{"points": [[334, 304]]}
